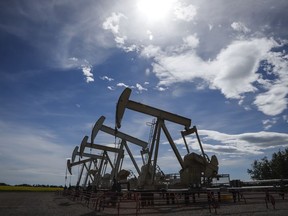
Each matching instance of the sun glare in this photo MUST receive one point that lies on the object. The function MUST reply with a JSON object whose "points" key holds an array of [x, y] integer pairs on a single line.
{"points": [[155, 10]]}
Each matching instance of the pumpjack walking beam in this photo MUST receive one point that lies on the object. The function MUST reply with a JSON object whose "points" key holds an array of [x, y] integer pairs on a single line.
{"points": [[83, 163], [76, 152], [71, 164], [124, 103], [100, 126]]}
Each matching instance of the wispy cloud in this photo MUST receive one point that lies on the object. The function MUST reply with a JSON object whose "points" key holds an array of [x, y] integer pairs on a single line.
{"points": [[240, 27], [186, 13], [57, 35], [122, 85], [268, 123], [112, 24], [239, 144], [111, 88], [85, 66], [137, 86], [140, 88], [32, 156], [107, 78]]}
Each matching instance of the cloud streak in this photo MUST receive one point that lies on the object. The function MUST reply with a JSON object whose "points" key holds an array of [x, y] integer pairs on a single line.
{"points": [[33, 156], [240, 144]]}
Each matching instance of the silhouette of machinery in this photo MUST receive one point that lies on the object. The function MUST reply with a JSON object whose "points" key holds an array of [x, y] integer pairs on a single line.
{"points": [[194, 167], [92, 172], [116, 169]]}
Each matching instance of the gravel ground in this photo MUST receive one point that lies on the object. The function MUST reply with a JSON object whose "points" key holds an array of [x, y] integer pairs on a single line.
{"points": [[48, 203], [39, 203]]}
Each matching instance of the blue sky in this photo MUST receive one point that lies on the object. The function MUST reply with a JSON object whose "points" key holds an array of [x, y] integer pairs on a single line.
{"points": [[63, 64]]}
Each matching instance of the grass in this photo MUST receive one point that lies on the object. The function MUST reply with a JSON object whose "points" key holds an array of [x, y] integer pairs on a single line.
{"points": [[29, 189]]}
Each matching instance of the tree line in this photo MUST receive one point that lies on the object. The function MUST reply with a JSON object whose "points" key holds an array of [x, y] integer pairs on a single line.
{"points": [[275, 168], [34, 185]]}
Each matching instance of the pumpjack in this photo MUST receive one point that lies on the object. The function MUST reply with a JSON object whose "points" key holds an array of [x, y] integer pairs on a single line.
{"points": [[116, 172], [87, 164], [195, 168]]}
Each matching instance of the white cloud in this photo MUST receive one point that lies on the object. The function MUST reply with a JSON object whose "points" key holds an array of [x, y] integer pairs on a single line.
{"points": [[186, 13], [236, 66], [129, 48], [107, 78], [73, 59], [111, 88], [239, 144], [160, 88], [112, 23], [274, 101], [234, 71], [84, 65], [150, 51], [268, 123], [120, 40], [240, 27], [86, 69], [140, 87], [122, 85], [191, 41], [137, 86]]}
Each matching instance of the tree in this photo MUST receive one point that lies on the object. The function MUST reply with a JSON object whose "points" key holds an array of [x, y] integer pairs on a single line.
{"points": [[276, 168]]}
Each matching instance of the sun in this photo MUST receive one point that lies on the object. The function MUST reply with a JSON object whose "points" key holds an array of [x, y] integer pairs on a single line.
{"points": [[155, 10]]}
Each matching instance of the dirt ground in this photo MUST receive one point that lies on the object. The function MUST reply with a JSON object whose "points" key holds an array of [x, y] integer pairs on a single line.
{"points": [[39, 203], [49, 203]]}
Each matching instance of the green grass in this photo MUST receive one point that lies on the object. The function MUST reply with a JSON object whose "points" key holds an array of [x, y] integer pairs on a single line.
{"points": [[29, 189]]}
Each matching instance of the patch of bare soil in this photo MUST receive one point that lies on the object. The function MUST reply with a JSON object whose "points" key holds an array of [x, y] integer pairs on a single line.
{"points": [[40, 203], [49, 203]]}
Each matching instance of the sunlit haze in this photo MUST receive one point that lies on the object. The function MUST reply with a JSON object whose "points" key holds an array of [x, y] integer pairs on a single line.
{"points": [[155, 10]]}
